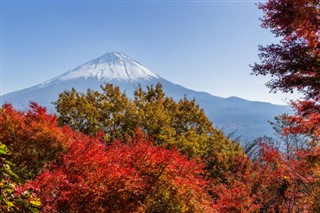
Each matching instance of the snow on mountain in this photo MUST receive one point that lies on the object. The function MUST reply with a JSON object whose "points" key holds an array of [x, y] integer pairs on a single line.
{"points": [[110, 66], [248, 118]]}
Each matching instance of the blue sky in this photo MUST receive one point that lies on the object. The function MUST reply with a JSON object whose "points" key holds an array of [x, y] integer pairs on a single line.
{"points": [[202, 45]]}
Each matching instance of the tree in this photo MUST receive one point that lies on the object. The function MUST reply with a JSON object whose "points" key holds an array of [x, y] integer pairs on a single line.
{"points": [[306, 120], [95, 112], [274, 183], [294, 63], [253, 148], [293, 182], [9, 200], [236, 193], [169, 123], [34, 138], [123, 177], [174, 123], [286, 143]]}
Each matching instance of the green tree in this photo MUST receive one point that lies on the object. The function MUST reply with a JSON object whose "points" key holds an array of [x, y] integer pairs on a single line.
{"points": [[168, 122], [94, 112], [9, 201]]}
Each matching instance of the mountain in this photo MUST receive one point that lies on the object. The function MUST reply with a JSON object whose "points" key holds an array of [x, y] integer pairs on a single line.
{"points": [[248, 118]]}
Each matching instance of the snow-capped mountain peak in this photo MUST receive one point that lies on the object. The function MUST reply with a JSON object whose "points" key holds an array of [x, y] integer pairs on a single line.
{"points": [[248, 118], [112, 58], [110, 66]]}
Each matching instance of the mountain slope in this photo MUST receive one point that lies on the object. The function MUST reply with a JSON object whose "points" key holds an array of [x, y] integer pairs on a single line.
{"points": [[249, 118]]}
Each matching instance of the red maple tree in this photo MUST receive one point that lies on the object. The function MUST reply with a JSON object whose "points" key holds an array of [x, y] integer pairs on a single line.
{"points": [[33, 137], [134, 177]]}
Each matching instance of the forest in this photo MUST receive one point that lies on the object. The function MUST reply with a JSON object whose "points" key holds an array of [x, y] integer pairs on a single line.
{"points": [[105, 152]]}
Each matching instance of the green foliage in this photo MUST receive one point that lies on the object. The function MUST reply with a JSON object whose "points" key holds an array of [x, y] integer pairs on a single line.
{"points": [[95, 112], [9, 201], [182, 123], [221, 157], [168, 122]]}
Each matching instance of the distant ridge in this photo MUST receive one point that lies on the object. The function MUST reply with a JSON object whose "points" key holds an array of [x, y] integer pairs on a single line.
{"points": [[248, 118]]}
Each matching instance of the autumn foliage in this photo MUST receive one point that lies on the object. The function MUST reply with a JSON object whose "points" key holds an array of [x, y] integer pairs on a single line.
{"points": [[275, 183], [168, 122], [88, 175], [136, 177], [85, 174], [110, 114], [33, 137], [306, 121], [108, 153], [294, 63]]}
